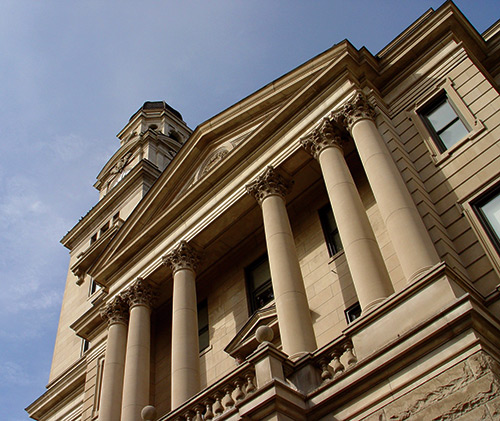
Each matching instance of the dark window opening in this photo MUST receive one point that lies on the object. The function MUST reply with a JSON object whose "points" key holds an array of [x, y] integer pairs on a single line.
{"points": [[330, 230], [352, 313], [203, 334], [443, 122], [260, 288]]}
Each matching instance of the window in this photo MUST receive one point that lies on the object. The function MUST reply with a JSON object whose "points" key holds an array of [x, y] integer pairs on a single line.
{"points": [[203, 336], [330, 230], [260, 288], [352, 313], [94, 286], [443, 122], [93, 239], [85, 347], [487, 208], [104, 228]]}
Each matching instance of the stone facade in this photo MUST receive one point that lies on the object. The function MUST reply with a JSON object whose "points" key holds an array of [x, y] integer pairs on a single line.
{"points": [[326, 211]]}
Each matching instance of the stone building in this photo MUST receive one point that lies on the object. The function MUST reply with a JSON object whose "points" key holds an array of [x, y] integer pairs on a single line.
{"points": [[325, 249]]}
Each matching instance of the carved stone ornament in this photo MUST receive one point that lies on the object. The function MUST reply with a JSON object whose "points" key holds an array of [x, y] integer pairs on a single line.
{"points": [[270, 182], [357, 109], [214, 159], [116, 311], [328, 133], [184, 256], [139, 293], [121, 164]]}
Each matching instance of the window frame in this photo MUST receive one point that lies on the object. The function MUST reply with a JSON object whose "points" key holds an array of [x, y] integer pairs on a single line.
{"points": [[252, 304], [445, 88], [468, 206]]}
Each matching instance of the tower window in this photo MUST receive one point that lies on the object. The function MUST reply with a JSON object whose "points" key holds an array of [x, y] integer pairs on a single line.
{"points": [[330, 230], [260, 288], [443, 122]]}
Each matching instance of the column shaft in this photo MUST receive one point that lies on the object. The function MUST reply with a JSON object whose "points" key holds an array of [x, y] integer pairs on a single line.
{"points": [[112, 378], [411, 240], [184, 261], [185, 353], [294, 317], [137, 361], [362, 252]]}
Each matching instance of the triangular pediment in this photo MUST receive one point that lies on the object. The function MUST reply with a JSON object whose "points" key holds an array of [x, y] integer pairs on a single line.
{"points": [[245, 342], [219, 145]]}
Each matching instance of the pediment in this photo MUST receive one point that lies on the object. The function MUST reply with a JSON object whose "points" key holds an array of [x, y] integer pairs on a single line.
{"points": [[214, 149], [245, 342]]}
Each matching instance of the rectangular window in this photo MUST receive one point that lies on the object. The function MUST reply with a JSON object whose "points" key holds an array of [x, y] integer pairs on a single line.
{"points": [[203, 334], [330, 230], [487, 208], [353, 312], [104, 228], [260, 288], [94, 286], [85, 347], [443, 122], [93, 239]]}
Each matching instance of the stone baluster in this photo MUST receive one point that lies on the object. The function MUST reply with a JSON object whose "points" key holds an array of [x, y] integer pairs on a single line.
{"points": [[365, 261], [136, 379], [116, 314], [402, 220], [294, 317], [184, 260]]}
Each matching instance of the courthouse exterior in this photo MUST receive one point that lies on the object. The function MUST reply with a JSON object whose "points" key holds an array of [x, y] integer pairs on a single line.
{"points": [[325, 249]]}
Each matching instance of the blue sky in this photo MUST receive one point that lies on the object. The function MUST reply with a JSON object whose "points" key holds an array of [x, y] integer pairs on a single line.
{"points": [[72, 73]]}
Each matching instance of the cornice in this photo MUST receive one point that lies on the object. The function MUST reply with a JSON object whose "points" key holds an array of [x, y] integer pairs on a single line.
{"points": [[89, 324]]}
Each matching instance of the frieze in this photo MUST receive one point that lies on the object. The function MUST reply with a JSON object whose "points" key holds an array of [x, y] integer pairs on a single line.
{"points": [[270, 182]]}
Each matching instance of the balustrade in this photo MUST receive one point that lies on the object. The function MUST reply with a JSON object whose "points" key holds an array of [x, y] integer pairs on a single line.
{"points": [[335, 359], [219, 398]]}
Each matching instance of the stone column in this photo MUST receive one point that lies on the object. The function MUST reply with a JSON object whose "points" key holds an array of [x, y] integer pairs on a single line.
{"points": [[137, 361], [367, 267], [294, 317], [185, 349], [116, 314], [411, 240]]}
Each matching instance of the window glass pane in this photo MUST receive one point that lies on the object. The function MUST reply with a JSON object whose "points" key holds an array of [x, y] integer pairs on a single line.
{"points": [[491, 211], [442, 115], [261, 274], [260, 288], [453, 134], [203, 334]]}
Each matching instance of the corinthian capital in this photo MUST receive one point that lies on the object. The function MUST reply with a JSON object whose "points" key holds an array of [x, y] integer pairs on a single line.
{"points": [[357, 109], [184, 256], [329, 133], [139, 293], [116, 311], [270, 182]]}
